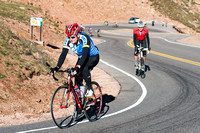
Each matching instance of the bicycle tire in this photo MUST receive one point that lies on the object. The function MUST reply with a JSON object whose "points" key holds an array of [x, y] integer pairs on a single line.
{"points": [[93, 105], [143, 75], [142, 61], [61, 112], [139, 63]]}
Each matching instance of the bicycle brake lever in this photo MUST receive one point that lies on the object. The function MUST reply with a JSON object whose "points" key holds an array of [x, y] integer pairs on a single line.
{"points": [[68, 70], [54, 77]]}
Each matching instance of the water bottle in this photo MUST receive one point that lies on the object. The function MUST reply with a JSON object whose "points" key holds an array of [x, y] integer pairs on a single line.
{"points": [[82, 89], [77, 90]]}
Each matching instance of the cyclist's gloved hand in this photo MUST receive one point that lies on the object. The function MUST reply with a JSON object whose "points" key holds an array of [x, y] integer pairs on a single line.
{"points": [[55, 69], [149, 48], [77, 69]]}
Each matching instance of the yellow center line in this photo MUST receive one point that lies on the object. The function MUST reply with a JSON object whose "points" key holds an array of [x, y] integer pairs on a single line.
{"points": [[129, 43]]}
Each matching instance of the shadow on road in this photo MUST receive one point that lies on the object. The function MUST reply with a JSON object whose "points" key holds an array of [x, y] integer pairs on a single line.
{"points": [[105, 99], [147, 68], [141, 73]]}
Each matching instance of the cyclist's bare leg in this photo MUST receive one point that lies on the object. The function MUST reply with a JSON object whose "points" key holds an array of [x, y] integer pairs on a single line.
{"points": [[135, 57], [136, 61], [136, 64], [143, 67], [144, 58]]}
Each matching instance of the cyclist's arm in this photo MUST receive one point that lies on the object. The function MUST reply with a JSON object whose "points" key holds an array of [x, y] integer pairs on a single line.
{"points": [[148, 40], [62, 57], [134, 39]]}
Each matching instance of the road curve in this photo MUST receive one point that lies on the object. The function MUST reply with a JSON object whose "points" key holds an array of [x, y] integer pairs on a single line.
{"points": [[171, 103]]}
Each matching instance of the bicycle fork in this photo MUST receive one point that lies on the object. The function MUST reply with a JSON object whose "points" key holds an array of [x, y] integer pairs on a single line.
{"points": [[139, 61], [61, 104]]}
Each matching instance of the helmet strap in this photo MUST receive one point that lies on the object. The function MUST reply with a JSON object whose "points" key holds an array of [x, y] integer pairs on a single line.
{"points": [[78, 35]]}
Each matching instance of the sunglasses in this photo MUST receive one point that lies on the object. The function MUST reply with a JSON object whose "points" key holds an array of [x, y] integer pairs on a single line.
{"points": [[72, 37]]}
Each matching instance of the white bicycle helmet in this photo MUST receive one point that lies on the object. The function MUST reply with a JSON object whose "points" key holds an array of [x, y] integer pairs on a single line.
{"points": [[140, 24]]}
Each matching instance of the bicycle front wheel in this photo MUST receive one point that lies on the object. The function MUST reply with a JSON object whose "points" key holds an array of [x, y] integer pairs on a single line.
{"points": [[63, 106], [142, 62], [93, 104]]}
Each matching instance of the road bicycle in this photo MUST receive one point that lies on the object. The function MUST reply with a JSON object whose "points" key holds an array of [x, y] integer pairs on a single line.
{"points": [[90, 32], [68, 103], [115, 25], [141, 64], [98, 32]]}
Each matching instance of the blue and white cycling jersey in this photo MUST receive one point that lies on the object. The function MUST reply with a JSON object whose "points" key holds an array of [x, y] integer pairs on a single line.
{"points": [[84, 41]]}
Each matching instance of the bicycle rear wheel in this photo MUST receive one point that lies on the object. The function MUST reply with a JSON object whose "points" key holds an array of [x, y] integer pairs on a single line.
{"points": [[63, 106], [142, 64], [93, 104]]}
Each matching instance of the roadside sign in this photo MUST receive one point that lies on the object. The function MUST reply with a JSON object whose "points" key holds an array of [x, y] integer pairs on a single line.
{"points": [[36, 21]]}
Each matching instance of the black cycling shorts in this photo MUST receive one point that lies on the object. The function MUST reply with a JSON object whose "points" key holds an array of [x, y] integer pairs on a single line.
{"points": [[143, 44], [89, 64]]}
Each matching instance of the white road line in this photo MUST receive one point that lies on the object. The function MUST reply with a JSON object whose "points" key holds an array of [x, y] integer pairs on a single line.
{"points": [[177, 42], [144, 93], [144, 90]]}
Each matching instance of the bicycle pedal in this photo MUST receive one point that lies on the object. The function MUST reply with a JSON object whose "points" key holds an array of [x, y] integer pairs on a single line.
{"points": [[79, 111]]}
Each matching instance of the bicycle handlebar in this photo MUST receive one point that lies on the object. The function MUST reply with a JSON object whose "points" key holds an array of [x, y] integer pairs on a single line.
{"points": [[68, 70], [54, 77], [144, 49]]}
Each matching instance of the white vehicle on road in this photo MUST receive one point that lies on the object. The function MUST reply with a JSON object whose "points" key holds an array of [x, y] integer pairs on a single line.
{"points": [[133, 20]]}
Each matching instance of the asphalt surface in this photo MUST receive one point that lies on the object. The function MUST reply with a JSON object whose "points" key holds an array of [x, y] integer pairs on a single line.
{"points": [[166, 101]]}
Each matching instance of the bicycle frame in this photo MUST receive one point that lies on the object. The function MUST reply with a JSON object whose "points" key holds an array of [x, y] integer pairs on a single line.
{"points": [[140, 57], [71, 88], [63, 99]]}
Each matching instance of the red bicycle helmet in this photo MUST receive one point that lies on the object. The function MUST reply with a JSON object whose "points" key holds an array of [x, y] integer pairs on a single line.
{"points": [[72, 30]]}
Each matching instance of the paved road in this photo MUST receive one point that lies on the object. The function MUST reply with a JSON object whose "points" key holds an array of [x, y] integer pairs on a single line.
{"points": [[167, 100]]}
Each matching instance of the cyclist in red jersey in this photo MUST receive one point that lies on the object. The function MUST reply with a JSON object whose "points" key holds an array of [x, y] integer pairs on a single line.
{"points": [[140, 36]]}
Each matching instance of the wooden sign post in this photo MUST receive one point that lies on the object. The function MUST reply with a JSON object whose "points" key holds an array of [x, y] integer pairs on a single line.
{"points": [[36, 22]]}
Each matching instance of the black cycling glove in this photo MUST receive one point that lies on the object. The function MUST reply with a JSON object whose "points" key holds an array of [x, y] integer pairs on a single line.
{"points": [[149, 48], [77, 69], [52, 70]]}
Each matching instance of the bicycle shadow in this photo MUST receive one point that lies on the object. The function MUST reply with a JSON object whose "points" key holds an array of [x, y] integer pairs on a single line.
{"points": [[147, 68], [105, 100]]}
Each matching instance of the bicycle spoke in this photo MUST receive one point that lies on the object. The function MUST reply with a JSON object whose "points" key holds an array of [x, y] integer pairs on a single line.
{"points": [[62, 107]]}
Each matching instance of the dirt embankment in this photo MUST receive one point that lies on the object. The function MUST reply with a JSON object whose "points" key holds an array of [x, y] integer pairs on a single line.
{"points": [[28, 101]]}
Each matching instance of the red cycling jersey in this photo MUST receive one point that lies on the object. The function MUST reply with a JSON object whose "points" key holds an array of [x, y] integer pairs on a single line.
{"points": [[140, 35]]}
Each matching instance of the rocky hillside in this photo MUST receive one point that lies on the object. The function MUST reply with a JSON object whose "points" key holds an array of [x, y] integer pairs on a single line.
{"points": [[182, 13]]}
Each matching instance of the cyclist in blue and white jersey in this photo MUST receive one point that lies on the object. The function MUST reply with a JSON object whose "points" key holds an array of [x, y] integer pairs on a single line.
{"points": [[88, 54]]}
